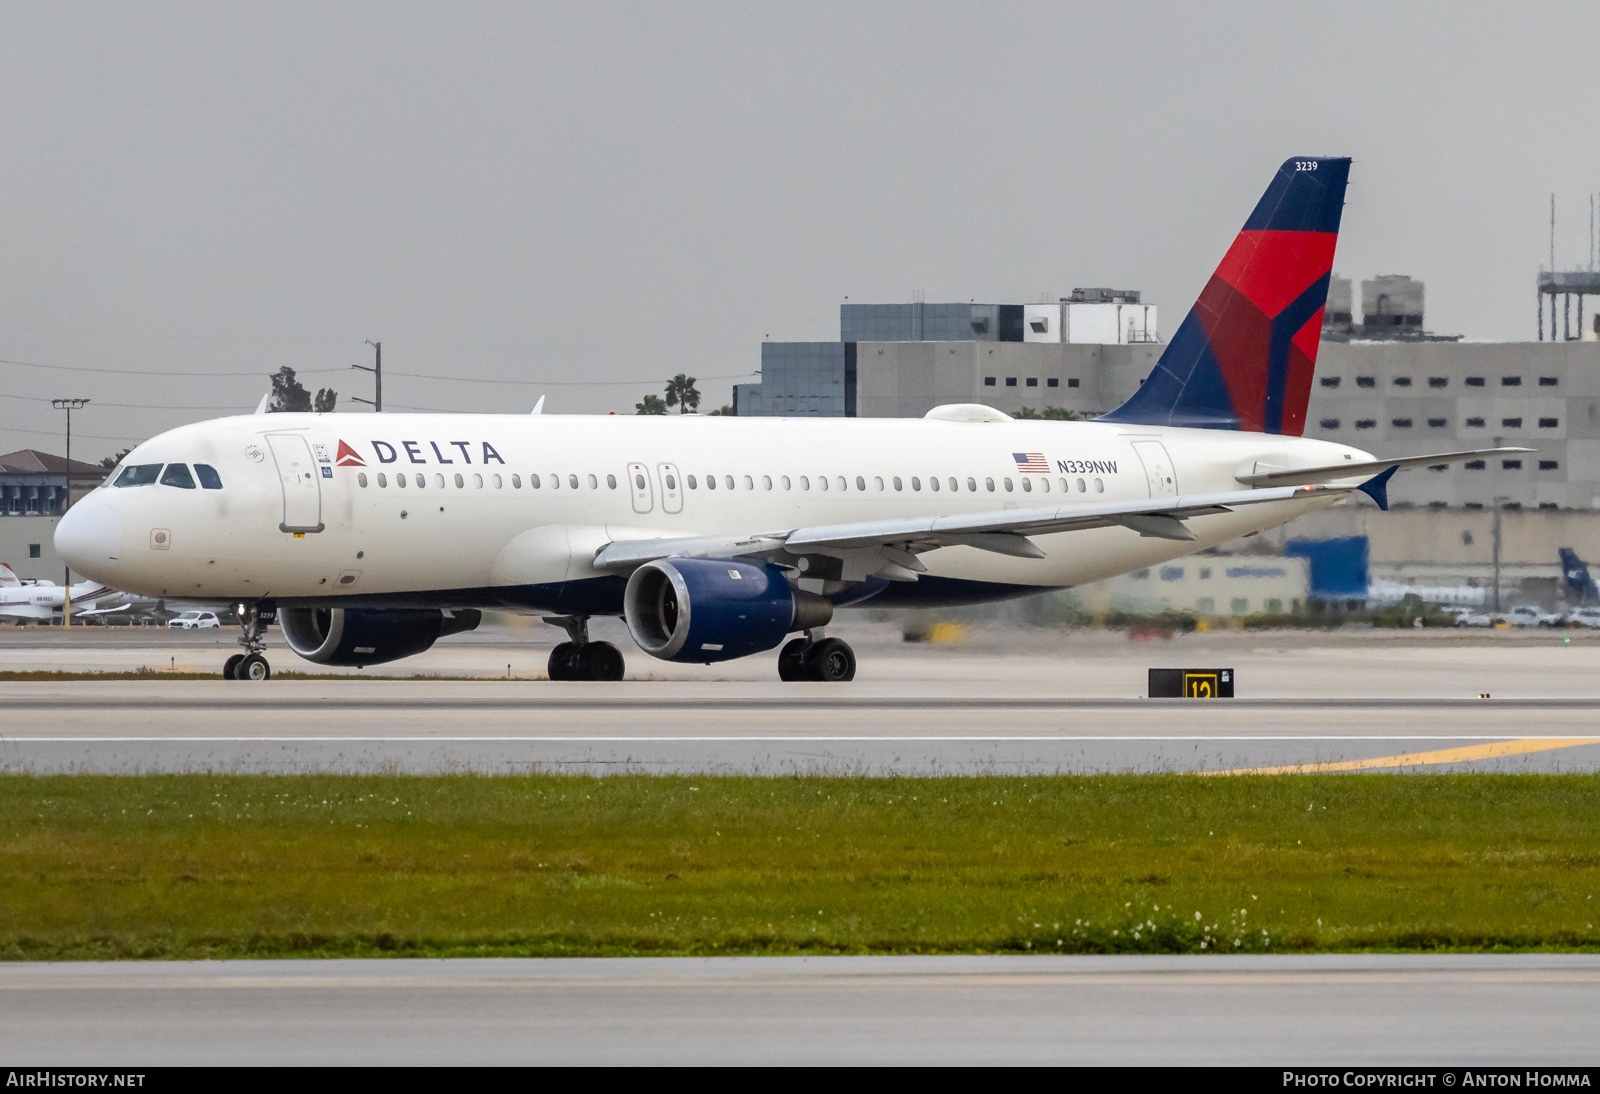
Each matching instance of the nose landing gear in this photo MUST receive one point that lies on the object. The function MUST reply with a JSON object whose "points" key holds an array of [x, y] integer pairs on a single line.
{"points": [[580, 659], [249, 665], [814, 657]]}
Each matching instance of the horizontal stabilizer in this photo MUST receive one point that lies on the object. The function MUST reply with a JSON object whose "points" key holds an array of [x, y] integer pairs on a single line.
{"points": [[1333, 472]]}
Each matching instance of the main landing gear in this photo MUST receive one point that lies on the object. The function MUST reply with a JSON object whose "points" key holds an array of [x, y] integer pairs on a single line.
{"points": [[817, 658], [580, 659], [249, 665]]}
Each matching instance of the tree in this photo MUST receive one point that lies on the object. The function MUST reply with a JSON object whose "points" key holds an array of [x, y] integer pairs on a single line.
{"points": [[652, 405], [326, 397], [682, 393], [111, 462], [288, 394], [1049, 413], [724, 411]]}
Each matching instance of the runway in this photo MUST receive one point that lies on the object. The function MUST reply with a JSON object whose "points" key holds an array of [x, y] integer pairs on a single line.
{"points": [[1449, 1010], [427, 727], [1007, 702]]}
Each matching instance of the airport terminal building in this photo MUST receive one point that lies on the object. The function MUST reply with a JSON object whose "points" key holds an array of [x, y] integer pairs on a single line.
{"points": [[33, 495]]}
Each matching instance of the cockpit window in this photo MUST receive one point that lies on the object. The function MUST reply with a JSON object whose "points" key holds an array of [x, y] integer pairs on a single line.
{"points": [[208, 476], [177, 474], [138, 474]]}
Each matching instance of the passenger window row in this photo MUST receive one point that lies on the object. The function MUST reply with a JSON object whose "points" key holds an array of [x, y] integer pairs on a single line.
{"points": [[934, 483], [419, 481], [176, 474]]}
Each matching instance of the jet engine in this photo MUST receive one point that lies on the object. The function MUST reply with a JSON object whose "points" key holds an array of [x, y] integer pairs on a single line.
{"points": [[704, 610], [365, 636]]}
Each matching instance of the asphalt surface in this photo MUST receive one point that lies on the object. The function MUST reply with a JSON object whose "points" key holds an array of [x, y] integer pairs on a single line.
{"points": [[1004, 701], [1451, 1011]]}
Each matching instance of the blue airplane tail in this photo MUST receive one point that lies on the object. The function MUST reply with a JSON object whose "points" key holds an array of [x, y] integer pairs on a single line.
{"points": [[1575, 572]]}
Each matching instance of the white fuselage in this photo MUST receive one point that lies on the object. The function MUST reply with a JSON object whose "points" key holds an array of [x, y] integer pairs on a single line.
{"points": [[430, 504]]}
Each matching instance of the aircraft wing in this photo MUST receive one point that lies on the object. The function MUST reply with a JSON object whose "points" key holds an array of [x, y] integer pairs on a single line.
{"points": [[1332, 472], [894, 544]]}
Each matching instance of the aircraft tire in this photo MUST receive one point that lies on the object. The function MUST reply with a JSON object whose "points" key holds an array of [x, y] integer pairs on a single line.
{"points": [[791, 661], [230, 665], [253, 667], [831, 661], [601, 661], [566, 662]]}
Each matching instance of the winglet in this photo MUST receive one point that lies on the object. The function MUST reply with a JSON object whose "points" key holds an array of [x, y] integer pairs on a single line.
{"points": [[1377, 488], [538, 408], [261, 407]]}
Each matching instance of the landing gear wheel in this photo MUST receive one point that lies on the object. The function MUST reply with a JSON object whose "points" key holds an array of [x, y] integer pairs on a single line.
{"points": [[566, 662], [792, 662], [600, 661], [230, 665], [252, 667], [831, 661]]}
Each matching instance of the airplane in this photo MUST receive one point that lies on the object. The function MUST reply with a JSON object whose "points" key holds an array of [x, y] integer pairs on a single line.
{"points": [[1581, 588], [370, 537], [38, 601]]}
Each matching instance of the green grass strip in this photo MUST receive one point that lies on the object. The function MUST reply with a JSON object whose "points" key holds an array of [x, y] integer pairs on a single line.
{"points": [[253, 866]]}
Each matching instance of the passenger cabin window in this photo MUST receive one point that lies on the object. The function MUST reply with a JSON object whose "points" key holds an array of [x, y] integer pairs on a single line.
{"points": [[1474, 381], [212, 481], [1548, 381], [1438, 381], [1366, 381], [1437, 423], [138, 474], [1330, 381], [1329, 423], [1510, 381], [1402, 381], [361, 479], [177, 474]]}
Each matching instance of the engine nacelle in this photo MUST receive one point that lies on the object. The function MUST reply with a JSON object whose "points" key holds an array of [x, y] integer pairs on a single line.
{"points": [[704, 610], [365, 636]]}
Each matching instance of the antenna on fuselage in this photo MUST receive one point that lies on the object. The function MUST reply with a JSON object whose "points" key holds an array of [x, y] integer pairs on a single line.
{"points": [[538, 408]]}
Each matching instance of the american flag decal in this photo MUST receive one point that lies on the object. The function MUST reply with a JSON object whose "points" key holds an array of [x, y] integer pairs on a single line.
{"points": [[1031, 462]]}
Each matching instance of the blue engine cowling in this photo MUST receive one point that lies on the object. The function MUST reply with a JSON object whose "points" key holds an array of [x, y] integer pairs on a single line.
{"points": [[365, 636], [705, 610]]}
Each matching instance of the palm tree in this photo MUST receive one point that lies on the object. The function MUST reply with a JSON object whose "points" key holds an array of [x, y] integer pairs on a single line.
{"points": [[682, 393], [652, 405]]}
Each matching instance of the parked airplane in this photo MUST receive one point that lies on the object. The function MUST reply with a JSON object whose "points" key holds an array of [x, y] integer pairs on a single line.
{"points": [[38, 602], [370, 537], [1575, 574]]}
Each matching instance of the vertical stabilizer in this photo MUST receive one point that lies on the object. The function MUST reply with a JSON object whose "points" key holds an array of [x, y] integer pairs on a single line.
{"points": [[7, 576], [1244, 355]]}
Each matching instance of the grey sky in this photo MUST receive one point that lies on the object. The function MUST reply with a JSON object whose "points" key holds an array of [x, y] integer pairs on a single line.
{"points": [[575, 193]]}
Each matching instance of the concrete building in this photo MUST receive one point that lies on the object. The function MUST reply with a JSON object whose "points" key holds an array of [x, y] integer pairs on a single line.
{"points": [[1084, 352], [33, 495]]}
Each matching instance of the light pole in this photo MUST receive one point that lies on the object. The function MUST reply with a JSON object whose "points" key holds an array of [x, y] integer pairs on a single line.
{"points": [[69, 405], [376, 402]]}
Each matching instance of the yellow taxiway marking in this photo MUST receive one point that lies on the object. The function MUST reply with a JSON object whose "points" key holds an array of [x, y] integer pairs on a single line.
{"points": [[1490, 751]]}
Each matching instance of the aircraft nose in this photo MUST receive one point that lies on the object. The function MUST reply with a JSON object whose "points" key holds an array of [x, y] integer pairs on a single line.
{"points": [[89, 538]]}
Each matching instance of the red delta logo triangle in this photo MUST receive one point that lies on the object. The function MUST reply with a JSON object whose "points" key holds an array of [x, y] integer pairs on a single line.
{"points": [[347, 457]]}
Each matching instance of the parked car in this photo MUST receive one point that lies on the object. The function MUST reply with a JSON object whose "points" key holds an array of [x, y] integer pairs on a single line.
{"points": [[191, 621], [1584, 617], [1525, 615], [1470, 617]]}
